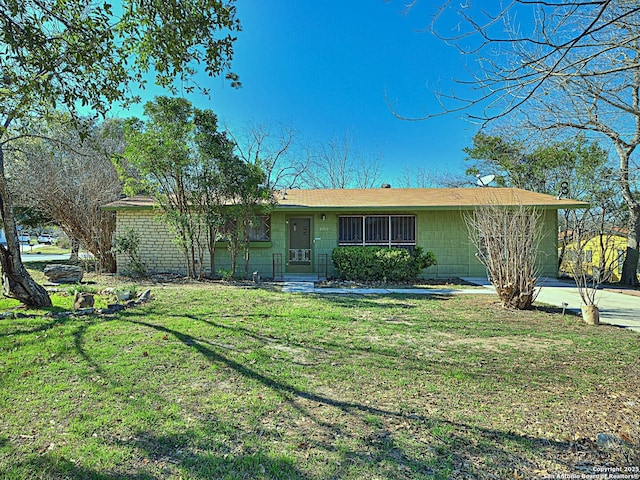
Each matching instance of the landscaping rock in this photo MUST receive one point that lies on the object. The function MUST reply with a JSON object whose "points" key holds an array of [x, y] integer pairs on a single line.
{"points": [[115, 307], [63, 273], [83, 300], [123, 295], [144, 296], [609, 441]]}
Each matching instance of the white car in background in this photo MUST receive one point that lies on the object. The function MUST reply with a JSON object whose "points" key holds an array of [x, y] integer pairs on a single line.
{"points": [[46, 239], [24, 239]]}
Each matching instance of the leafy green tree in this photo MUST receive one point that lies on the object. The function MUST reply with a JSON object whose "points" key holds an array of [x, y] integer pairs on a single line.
{"points": [[83, 54], [247, 197], [205, 190], [162, 150], [496, 155], [544, 169], [209, 196]]}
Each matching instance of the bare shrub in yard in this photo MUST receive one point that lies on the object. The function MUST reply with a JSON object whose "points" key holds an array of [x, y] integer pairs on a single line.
{"points": [[592, 254], [508, 241], [68, 176]]}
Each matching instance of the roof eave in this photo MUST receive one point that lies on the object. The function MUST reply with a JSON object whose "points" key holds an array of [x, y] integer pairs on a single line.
{"points": [[118, 208], [312, 208]]}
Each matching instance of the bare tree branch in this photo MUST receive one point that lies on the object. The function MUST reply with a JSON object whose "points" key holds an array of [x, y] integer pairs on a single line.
{"points": [[551, 65], [273, 148], [334, 165]]}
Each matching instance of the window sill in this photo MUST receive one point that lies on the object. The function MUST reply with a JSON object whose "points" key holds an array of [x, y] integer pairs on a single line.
{"points": [[405, 244], [261, 244]]}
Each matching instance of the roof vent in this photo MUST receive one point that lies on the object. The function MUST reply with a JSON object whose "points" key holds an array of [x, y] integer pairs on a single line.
{"points": [[385, 185]]}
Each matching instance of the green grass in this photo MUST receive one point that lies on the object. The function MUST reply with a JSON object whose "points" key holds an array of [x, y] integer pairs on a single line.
{"points": [[210, 381], [46, 250]]}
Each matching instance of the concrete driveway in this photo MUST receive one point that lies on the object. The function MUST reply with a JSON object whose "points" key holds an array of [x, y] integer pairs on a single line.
{"points": [[618, 307], [43, 257]]}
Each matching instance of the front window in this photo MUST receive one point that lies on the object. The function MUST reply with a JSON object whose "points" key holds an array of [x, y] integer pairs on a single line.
{"points": [[403, 229], [350, 231], [383, 230], [377, 230], [260, 229]]}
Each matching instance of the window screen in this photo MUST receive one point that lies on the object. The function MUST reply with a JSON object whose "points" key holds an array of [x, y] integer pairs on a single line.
{"points": [[385, 230]]}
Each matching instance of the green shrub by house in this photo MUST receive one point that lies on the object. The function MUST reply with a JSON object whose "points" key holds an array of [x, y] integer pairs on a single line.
{"points": [[380, 263]]}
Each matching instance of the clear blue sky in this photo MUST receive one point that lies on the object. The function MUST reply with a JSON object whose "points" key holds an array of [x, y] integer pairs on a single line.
{"points": [[325, 68]]}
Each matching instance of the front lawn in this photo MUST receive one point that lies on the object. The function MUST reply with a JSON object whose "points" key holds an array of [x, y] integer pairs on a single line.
{"points": [[211, 381]]}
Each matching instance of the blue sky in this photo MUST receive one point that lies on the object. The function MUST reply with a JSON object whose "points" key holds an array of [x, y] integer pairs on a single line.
{"points": [[327, 69]]}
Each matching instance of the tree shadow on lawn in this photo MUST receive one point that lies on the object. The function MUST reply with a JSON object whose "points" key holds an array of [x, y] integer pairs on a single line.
{"points": [[451, 455], [52, 323], [555, 310], [53, 467], [462, 445], [374, 299], [388, 442], [324, 345], [378, 446], [160, 460], [207, 458]]}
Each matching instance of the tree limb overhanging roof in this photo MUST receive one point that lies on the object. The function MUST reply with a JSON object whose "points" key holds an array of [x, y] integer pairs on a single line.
{"points": [[394, 198]]}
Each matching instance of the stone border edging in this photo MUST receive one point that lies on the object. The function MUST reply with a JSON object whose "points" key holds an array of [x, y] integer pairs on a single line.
{"points": [[112, 308]]}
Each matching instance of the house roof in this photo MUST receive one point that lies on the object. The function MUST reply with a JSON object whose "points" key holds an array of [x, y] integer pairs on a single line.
{"points": [[137, 202], [394, 199], [421, 198]]}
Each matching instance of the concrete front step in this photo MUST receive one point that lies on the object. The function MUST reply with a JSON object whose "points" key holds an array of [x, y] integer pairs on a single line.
{"points": [[301, 277]]}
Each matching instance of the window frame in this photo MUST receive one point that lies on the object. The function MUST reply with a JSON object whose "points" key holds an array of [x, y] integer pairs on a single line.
{"points": [[370, 226], [588, 257], [261, 231]]}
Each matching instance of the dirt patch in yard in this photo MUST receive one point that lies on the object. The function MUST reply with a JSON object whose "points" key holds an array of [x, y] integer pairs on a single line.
{"points": [[496, 344]]}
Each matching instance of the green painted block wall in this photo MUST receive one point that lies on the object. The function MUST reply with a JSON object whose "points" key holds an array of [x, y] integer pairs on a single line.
{"points": [[161, 254], [445, 233], [442, 231]]}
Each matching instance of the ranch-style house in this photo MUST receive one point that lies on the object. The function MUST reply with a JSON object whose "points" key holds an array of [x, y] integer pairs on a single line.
{"points": [[301, 231]]}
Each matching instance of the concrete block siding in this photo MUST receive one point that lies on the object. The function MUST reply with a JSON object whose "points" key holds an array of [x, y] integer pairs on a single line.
{"points": [[161, 254], [441, 231]]}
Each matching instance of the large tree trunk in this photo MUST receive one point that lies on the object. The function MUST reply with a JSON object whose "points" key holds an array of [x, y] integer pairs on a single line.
{"points": [[16, 281], [629, 275], [107, 259], [18, 284], [630, 267]]}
